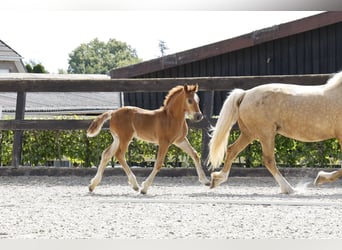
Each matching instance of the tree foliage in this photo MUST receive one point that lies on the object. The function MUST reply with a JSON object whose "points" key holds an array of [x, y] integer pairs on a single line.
{"points": [[98, 57], [42, 147], [33, 67], [162, 47]]}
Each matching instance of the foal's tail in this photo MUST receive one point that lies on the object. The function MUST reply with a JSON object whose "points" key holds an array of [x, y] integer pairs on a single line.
{"points": [[96, 125], [219, 134]]}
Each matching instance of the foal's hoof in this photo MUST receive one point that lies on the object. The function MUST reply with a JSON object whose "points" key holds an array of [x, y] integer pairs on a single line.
{"points": [[91, 189]]}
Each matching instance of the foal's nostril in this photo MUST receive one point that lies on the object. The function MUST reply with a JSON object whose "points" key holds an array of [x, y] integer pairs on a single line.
{"points": [[198, 116]]}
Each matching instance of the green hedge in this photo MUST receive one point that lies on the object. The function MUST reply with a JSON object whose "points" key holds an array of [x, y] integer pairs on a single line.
{"points": [[40, 147]]}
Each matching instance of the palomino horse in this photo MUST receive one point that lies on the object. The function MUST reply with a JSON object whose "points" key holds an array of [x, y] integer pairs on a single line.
{"points": [[163, 126], [305, 113]]}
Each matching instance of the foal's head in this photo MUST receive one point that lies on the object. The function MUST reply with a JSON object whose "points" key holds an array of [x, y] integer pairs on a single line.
{"points": [[189, 98], [191, 103]]}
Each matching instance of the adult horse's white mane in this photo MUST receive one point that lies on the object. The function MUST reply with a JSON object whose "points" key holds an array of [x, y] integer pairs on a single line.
{"points": [[335, 80]]}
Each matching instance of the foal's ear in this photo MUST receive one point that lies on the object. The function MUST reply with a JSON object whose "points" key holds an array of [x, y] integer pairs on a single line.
{"points": [[191, 88], [196, 87]]}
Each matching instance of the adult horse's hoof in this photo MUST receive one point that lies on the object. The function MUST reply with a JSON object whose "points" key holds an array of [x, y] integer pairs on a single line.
{"points": [[288, 190], [143, 191], [205, 182], [90, 188], [217, 178], [213, 184], [323, 177]]}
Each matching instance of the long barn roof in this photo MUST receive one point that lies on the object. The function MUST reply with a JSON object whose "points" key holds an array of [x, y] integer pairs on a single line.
{"points": [[229, 45]]}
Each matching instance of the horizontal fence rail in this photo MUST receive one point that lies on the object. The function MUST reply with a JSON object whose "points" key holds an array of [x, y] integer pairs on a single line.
{"points": [[22, 83], [151, 84]]}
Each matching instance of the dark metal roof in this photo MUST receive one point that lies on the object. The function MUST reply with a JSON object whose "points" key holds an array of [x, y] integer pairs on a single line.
{"points": [[229, 45]]}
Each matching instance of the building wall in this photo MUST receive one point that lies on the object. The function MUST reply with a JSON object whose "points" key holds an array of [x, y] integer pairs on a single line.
{"points": [[313, 52], [9, 65]]}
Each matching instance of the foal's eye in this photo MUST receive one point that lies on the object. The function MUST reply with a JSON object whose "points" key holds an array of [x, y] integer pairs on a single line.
{"points": [[190, 101]]}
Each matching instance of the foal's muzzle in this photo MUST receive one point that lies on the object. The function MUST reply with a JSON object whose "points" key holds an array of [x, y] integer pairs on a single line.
{"points": [[197, 117]]}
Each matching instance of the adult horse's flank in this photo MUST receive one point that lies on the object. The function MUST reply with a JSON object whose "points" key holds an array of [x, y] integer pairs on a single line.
{"points": [[163, 126], [305, 113]]}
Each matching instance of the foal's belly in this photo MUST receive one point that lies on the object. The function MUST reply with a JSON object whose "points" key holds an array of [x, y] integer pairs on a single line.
{"points": [[146, 137]]}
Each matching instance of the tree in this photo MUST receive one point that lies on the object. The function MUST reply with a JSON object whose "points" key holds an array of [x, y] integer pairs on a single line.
{"points": [[33, 67], [97, 57], [162, 47]]}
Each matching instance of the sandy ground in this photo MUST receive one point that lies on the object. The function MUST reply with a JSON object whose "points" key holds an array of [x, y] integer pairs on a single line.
{"points": [[42, 207]]}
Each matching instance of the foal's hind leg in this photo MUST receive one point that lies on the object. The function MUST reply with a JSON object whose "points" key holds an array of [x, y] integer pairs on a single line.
{"points": [[187, 148], [163, 147], [232, 151], [106, 155], [120, 156], [269, 161]]}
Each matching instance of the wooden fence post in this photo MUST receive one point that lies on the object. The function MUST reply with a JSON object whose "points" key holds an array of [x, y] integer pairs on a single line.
{"points": [[18, 134]]}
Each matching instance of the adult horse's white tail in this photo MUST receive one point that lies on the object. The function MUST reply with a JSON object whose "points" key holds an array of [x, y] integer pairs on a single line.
{"points": [[219, 135]]}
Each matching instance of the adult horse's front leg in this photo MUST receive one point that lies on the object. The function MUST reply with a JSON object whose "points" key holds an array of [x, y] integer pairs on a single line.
{"points": [[187, 148], [269, 161], [157, 166], [323, 177]]}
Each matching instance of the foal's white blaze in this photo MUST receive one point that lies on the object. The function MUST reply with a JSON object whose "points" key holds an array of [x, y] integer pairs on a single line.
{"points": [[196, 98], [187, 114]]}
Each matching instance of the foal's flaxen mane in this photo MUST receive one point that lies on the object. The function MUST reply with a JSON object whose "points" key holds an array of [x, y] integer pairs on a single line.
{"points": [[175, 90], [171, 93]]}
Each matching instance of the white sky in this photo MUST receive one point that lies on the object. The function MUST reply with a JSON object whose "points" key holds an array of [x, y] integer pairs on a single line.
{"points": [[48, 36]]}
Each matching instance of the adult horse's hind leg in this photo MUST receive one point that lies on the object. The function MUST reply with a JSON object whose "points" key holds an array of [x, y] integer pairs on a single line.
{"points": [[187, 148], [106, 155], [323, 177], [232, 152], [267, 145]]}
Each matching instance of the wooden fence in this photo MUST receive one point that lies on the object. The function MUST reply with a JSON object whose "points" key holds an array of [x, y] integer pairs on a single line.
{"points": [[21, 85]]}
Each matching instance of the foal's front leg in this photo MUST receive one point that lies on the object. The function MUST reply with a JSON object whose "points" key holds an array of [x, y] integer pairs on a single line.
{"points": [[187, 148], [157, 166]]}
